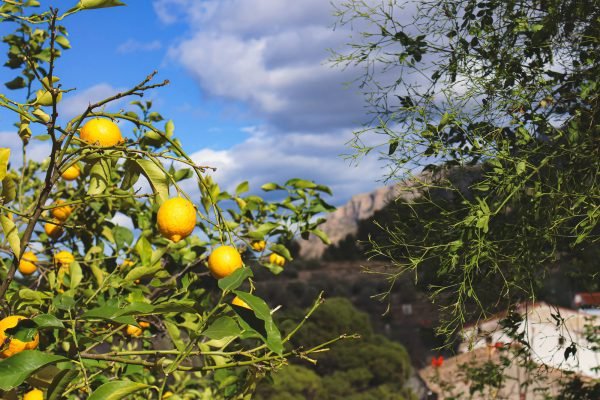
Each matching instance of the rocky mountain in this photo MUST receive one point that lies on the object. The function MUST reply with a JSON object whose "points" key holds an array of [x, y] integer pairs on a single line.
{"points": [[344, 221]]}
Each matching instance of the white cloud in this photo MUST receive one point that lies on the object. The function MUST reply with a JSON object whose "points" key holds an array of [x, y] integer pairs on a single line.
{"points": [[76, 102], [36, 150], [264, 157], [271, 56], [132, 46]]}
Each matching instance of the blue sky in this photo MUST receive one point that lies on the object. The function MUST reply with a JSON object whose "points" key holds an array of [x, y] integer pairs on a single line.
{"points": [[251, 90]]}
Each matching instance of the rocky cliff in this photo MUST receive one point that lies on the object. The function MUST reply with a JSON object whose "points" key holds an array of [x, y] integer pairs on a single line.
{"points": [[344, 221]]}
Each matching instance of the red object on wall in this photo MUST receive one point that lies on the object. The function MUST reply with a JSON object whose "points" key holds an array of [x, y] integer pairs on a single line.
{"points": [[437, 362]]}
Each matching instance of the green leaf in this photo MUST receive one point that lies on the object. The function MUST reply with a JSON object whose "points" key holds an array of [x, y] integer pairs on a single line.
{"points": [[99, 177], [393, 147], [63, 42], [123, 236], [60, 382], [184, 173], [301, 183], [14, 370], [234, 280], [9, 188], [242, 188], [47, 321], [175, 335], [110, 313], [321, 235], [75, 274], [144, 249], [131, 175], [267, 187], [116, 390], [261, 311], [142, 272], [4, 159], [221, 328], [91, 4], [281, 250], [262, 230], [16, 83], [11, 234], [156, 177], [169, 128]]}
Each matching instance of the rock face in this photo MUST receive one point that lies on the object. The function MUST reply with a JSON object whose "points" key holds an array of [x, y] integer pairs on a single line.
{"points": [[344, 221]]}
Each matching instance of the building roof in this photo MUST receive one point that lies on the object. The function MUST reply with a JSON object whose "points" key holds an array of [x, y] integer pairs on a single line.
{"points": [[586, 299]]}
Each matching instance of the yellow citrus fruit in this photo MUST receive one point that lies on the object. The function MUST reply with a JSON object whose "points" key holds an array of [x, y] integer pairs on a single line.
{"points": [[35, 394], [27, 263], [101, 132], [144, 324], [53, 230], [63, 258], [135, 331], [127, 263], [223, 261], [259, 245], [176, 218], [61, 213], [14, 345], [276, 259], [239, 302], [71, 173]]}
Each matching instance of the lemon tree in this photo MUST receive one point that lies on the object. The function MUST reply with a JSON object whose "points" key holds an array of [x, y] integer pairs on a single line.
{"points": [[167, 308]]}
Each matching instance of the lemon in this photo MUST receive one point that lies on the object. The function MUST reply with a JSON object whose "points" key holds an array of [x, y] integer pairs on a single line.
{"points": [[276, 259], [101, 132], [176, 218], [63, 258], [71, 173], [61, 213], [134, 331], [14, 346], [27, 263], [35, 394], [259, 245], [53, 230], [239, 302], [223, 261]]}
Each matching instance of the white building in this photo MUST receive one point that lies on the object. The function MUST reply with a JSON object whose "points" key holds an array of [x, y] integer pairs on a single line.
{"points": [[550, 332]]}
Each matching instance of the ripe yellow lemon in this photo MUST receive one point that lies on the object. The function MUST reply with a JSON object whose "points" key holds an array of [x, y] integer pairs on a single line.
{"points": [[176, 218], [53, 231], [71, 173], [101, 132], [276, 259], [223, 261], [259, 245], [35, 394], [27, 263], [61, 213], [134, 331], [239, 302], [14, 345], [63, 258]]}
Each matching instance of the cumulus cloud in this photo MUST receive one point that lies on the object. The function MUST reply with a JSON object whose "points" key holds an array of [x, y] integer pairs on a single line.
{"points": [[36, 150], [269, 55], [133, 46], [263, 158], [273, 57]]}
